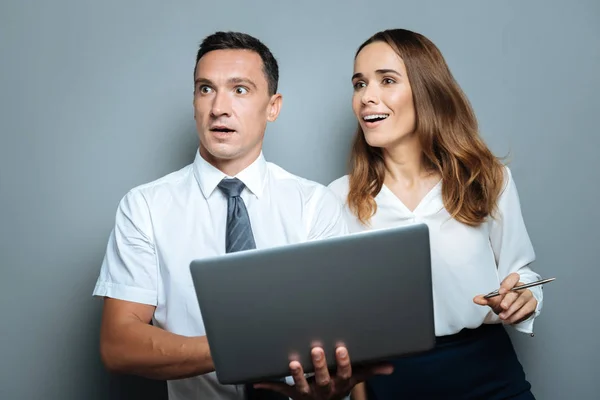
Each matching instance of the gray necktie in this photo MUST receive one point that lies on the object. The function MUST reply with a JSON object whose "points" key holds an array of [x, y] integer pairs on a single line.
{"points": [[239, 231], [237, 238]]}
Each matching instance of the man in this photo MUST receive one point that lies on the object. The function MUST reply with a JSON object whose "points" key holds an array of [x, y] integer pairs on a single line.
{"points": [[229, 199]]}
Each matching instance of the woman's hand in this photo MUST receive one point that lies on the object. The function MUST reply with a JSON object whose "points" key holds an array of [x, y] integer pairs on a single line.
{"points": [[511, 306]]}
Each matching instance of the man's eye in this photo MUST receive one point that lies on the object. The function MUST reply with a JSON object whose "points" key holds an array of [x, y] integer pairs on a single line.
{"points": [[205, 89], [241, 90]]}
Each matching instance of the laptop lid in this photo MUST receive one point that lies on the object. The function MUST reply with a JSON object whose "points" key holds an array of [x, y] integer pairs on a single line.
{"points": [[370, 291]]}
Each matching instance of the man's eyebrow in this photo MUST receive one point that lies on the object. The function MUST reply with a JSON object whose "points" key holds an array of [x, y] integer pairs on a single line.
{"points": [[378, 72], [237, 81], [203, 81], [231, 81]]}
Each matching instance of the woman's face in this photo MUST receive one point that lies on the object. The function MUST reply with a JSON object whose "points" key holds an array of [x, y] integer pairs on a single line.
{"points": [[382, 100]]}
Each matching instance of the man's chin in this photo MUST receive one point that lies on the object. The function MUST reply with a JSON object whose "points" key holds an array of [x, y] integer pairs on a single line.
{"points": [[224, 152]]}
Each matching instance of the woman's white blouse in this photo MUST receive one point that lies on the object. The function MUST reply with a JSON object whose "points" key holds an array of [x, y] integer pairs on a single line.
{"points": [[466, 261]]}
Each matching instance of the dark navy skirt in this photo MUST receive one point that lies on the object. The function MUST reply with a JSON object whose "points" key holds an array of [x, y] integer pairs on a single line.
{"points": [[473, 364]]}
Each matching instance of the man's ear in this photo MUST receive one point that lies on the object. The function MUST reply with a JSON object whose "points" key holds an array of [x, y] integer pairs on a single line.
{"points": [[194, 103], [274, 107]]}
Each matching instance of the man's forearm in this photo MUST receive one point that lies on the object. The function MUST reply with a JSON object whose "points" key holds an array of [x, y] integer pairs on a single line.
{"points": [[140, 349]]}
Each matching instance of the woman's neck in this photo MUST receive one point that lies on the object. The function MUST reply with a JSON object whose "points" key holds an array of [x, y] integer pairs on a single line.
{"points": [[404, 162]]}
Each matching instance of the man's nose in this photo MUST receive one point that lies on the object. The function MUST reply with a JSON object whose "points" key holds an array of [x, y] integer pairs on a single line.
{"points": [[221, 105]]}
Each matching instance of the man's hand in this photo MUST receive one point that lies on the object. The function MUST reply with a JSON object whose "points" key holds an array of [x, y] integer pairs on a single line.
{"points": [[511, 306], [323, 386]]}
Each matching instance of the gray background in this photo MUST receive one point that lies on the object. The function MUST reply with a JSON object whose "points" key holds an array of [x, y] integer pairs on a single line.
{"points": [[96, 97]]}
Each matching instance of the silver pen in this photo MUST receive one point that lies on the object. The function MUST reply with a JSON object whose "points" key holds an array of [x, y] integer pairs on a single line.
{"points": [[525, 286]]}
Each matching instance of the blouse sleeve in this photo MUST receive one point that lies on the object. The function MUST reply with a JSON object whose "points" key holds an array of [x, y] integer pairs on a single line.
{"points": [[512, 247]]}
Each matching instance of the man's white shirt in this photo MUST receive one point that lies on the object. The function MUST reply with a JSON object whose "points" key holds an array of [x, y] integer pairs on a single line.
{"points": [[163, 225]]}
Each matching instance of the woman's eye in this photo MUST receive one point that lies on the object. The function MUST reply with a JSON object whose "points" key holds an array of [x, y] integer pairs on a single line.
{"points": [[388, 81], [359, 85], [241, 90]]}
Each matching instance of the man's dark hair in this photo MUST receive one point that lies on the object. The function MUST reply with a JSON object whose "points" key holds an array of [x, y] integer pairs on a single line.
{"points": [[242, 41]]}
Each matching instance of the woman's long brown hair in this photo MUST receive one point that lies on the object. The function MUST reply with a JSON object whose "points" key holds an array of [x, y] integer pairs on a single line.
{"points": [[472, 177]]}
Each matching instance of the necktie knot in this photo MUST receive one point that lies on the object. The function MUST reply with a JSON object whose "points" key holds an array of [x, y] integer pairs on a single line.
{"points": [[231, 187]]}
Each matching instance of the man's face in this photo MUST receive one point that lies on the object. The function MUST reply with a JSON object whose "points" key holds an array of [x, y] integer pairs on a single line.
{"points": [[232, 105]]}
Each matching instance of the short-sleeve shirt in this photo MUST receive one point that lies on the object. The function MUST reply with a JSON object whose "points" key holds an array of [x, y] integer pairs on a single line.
{"points": [[163, 225]]}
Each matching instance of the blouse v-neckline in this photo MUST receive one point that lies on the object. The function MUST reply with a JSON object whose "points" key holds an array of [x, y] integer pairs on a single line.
{"points": [[422, 203]]}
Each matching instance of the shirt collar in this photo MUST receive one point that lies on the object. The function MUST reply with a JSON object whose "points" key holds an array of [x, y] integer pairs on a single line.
{"points": [[208, 177]]}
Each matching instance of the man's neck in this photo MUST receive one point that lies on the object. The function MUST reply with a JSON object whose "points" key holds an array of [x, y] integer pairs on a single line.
{"points": [[232, 166]]}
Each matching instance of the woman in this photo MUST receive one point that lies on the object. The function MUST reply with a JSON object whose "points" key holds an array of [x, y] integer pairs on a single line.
{"points": [[418, 158]]}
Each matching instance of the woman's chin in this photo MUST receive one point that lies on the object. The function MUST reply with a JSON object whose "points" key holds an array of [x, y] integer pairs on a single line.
{"points": [[378, 140]]}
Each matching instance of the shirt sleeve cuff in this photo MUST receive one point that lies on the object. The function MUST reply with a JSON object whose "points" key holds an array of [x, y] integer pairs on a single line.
{"points": [[127, 293]]}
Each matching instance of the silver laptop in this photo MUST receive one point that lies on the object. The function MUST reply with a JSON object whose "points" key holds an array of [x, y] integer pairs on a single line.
{"points": [[370, 291]]}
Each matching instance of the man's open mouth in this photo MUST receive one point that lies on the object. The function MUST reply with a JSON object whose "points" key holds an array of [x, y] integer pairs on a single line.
{"points": [[221, 129]]}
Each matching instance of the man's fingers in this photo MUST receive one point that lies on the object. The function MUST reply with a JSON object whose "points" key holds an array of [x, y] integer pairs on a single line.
{"points": [[322, 380], [322, 377], [344, 369], [300, 382]]}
